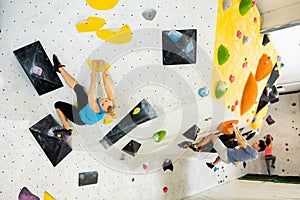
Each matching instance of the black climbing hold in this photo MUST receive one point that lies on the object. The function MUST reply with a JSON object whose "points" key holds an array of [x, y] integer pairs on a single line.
{"points": [[266, 40], [88, 178], [132, 148], [168, 165], [192, 132]]}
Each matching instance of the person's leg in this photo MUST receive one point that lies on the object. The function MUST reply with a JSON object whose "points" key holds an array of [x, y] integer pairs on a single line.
{"points": [[273, 161], [210, 138], [64, 112], [217, 161], [267, 159], [70, 81]]}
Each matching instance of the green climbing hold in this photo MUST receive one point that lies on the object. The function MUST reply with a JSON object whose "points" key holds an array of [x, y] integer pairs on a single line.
{"points": [[221, 89], [245, 6], [159, 136], [223, 54]]}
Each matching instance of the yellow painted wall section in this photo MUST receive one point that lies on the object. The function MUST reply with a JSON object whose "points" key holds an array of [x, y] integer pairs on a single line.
{"points": [[244, 58]]}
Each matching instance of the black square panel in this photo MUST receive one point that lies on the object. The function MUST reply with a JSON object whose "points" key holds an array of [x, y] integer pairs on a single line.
{"points": [[132, 148], [38, 68], [179, 46]]}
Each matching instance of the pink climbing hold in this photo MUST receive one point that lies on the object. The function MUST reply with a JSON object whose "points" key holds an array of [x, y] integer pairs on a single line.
{"points": [[145, 166], [231, 78], [245, 64], [237, 102], [233, 107], [253, 3], [165, 189], [254, 119], [255, 20], [239, 34], [25, 194]]}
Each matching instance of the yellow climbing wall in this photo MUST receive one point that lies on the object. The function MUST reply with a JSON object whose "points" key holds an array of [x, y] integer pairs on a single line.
{"points": [[244, 58]]}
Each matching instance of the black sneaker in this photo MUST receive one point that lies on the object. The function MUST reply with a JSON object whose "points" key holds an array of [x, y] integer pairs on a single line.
{"points": [[56, 63], [63, 131], [210, 165], [273, 166]]}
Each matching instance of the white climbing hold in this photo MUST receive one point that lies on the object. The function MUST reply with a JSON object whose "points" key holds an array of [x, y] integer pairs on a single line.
{"points": [[149, 14], [226, 4]]}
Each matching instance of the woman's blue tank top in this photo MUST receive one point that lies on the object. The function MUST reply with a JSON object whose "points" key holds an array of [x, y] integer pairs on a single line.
{"points": [[88, 116]]}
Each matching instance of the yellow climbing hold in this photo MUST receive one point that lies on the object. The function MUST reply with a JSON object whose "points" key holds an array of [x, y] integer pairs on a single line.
{"points": [[101, 65], [108, 120], [91, 24], [136, 111], [47, 196], [121, 36], [102, 4]]}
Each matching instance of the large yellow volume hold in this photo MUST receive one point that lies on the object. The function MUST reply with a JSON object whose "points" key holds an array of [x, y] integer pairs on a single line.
{"points": [[121, 36], [101, 65], [91, 24], [102, 4]]}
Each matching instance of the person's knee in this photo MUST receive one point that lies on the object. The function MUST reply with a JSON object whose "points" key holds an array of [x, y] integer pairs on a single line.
{"points": [[213, 138], [58, 105]]}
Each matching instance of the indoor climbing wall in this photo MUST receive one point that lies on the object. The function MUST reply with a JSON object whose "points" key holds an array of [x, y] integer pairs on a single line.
{"points": [[160, 57], [241, 73], [284, 128]]}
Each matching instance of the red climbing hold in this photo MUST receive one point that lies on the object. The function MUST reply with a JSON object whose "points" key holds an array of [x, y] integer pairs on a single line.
{"points": [[145, 166], [245, 64], [294, 104], [255, 20], [253, 3], [165, 189], [239, 34], [231, 78], [233, 107], [237, 102]]}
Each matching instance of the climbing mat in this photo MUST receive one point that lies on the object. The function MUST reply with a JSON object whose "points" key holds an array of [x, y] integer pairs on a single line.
{"points": [[54, 145], [38, 68], [243, 60]]}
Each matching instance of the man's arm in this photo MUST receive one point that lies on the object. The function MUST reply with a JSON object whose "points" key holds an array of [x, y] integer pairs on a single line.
{"points": [[91, 93], [241, 140], [107, 87]]}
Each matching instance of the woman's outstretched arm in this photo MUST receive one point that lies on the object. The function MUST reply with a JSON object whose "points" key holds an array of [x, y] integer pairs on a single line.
{"points": [[92, 90], [108, 90]]}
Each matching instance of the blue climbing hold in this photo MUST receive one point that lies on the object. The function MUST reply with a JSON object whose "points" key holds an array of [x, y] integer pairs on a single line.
{"points": [[189, 47], [281, 65], [215, 169], [174, 35], [203, 92]]}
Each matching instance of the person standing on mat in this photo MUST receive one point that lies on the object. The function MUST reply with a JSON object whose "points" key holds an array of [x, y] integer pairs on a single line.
{"points": [[231, 155], [89, 109], [268, 153]]}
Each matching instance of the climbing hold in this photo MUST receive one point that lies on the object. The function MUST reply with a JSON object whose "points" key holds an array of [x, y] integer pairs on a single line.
{"points": [[266, 40], [159, 136], [47, 196], [36, 70], [101, 65], [189, 47], [269, 120], [233, 107], [121, 36], [168, 165], [215, 169], [206, 119], [239, 34], [25, 194], [132, 180], [281, 65], [102, 4], [254, 119], [249, 94], [278, 58], [149, 14], [255, 20], [108, 119], [226, 126], [287, 149], [174, 35], [294, 104], [231, 78], [245, 64], [91, 24], [223, 54], [253, 3], [244, 164], [122, 156], [245, 6], [145, 166], [221, 89], [136, 111], [203, 92], [165, 189], [245, 59], [264, 67], [236, 102], [226, 4], [246, 39]]}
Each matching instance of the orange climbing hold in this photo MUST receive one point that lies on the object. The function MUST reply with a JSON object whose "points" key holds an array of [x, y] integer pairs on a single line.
{"points": [[226, 126], [249, 94], [264, 67]]}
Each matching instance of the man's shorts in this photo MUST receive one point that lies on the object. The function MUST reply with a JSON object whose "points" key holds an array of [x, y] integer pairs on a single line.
{"points": [[222, 151]]}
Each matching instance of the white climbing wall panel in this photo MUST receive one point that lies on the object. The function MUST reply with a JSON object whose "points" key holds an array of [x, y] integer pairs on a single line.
{"points": [[23, 163]]}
